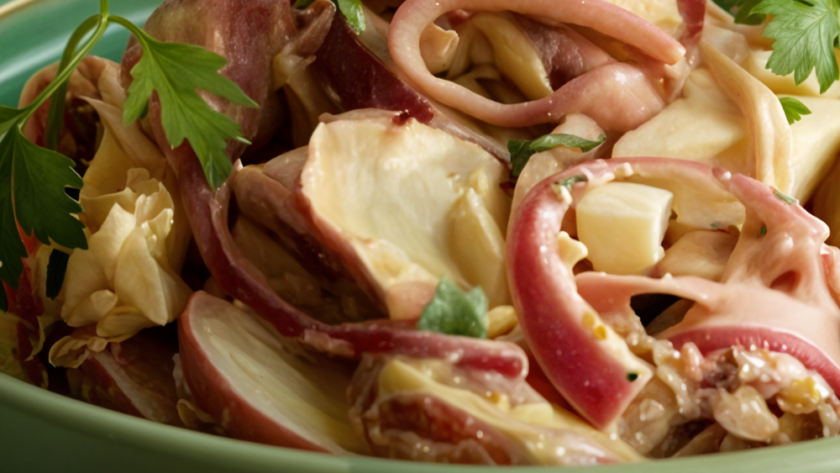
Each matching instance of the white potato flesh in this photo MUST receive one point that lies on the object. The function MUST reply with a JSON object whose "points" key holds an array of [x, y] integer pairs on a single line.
{"points": [[701, 126], [702, 253], [706, 126], [404, 205], [816, 143], [664, 14], [478, 246], [622, 225], [756, 64]]}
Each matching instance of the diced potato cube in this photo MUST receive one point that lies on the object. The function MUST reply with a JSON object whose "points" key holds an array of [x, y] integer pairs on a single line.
{"points": [[623, 224]]}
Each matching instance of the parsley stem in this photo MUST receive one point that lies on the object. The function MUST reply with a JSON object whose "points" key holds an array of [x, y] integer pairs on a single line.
{"points": [[65, 74], [131, 27], [56, 114]]}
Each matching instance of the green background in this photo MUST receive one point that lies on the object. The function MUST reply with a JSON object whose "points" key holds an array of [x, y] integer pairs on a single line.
{"points": [[36, 35], [43, 432]]}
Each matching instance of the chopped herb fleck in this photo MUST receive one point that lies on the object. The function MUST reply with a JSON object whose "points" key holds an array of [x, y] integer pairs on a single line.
{"points": [[455, 312], [794, 109], [563, 189], [763, 231], [788, 199], [569, 182], [522, 150], [632, 377]]}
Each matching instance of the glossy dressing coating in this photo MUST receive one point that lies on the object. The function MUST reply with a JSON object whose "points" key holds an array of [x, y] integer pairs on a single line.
{"points": [[208, 211], [777, 291]]}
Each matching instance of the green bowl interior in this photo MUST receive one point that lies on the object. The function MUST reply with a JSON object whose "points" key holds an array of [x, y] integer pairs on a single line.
{"points": [[42, 431]]}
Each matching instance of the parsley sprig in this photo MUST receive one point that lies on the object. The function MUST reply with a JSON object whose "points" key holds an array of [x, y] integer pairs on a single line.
{"points": [[805, 33], [176, 71], [33, 180]]}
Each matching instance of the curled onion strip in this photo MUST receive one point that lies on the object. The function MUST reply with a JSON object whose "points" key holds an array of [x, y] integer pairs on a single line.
{"points": [[415, 15], [771, 139]]}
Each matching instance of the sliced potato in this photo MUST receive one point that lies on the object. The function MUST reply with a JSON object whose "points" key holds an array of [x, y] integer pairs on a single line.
{"points": [[404, 205], [259, 387]]}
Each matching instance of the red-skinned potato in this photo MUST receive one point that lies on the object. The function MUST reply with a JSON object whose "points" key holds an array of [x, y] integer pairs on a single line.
{"points": [[207, 210], [257, 387]]}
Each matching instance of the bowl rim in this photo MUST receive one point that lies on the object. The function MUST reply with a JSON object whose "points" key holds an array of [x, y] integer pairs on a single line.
{"points": [[111, 426], [104, 424]]}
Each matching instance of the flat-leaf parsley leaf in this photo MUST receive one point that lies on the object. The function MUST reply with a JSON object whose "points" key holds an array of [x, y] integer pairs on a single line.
{"points": [[176, 72], [37, 178], [806, 34], [33, 180]]}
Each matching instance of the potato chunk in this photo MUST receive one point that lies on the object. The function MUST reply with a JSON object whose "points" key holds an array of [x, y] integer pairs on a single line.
{"points": [[622, 224]]}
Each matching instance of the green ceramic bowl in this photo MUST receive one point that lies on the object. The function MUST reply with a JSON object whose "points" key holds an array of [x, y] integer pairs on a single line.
{"points": [[41, 431]]}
